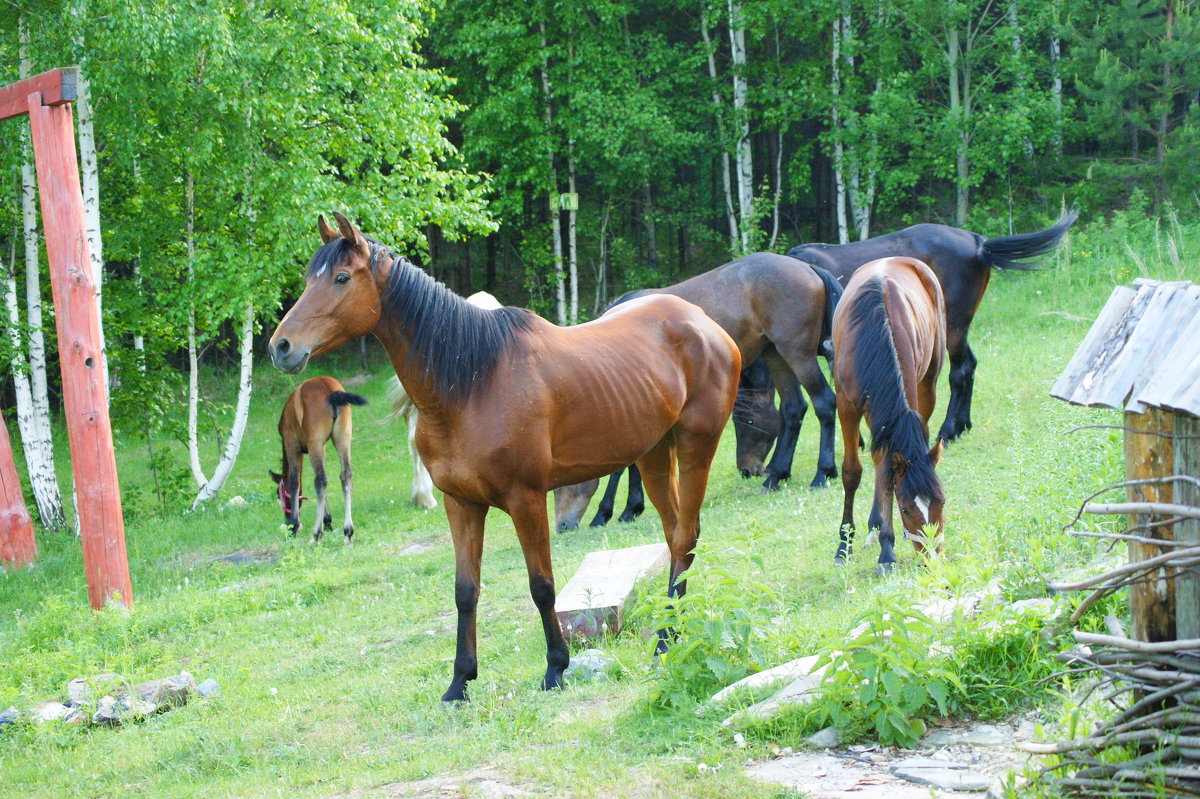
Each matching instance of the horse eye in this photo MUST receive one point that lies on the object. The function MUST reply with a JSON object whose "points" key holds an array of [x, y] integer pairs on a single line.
{"points": [[342, 279]]}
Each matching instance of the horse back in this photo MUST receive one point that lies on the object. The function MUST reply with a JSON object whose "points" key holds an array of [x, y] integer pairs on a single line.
{"points": [[949, 252]]}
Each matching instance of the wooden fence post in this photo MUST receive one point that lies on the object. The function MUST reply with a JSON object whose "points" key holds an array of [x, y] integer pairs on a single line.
{"points": [[1187, 585], [1152, 612], [17, 546], [98, 497]]}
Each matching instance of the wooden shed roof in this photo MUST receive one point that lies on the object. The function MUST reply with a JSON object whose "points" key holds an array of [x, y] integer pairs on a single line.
{"points": [[1142, 350]]}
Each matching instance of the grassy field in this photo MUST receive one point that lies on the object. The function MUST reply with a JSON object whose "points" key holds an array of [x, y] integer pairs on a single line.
{"points": [[331, 660]]}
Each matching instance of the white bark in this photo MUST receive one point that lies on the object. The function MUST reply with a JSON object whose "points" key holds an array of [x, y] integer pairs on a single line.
{"points": [[735, 235], [38, 438], [555, 216], [193, 358], [1056, 92], [89, 175], [242, 413], [572, 261], [1019, 77], [835, 91], [745, 165]]}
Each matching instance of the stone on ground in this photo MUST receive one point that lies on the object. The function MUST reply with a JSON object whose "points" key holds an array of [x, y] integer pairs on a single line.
{"points": [[208, 688], [944, 774], [824, 739], [587, 665], [166, 693]]}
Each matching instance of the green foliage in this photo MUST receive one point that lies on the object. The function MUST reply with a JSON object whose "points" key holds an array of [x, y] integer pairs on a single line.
{"points": [[721, 625]]}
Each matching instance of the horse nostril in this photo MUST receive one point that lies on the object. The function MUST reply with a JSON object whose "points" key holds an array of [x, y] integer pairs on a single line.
{"points": [[283, 346]]}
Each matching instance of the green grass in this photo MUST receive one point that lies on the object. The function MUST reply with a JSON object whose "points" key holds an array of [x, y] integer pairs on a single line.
{"points": [[332, 660]]}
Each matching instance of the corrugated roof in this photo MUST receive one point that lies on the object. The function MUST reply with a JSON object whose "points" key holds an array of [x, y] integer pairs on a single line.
{"points": [[1142, 350]]}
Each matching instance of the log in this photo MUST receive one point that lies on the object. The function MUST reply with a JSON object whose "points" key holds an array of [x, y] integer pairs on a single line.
{"points": [[1186, 456], [590, 605], [1147, 456]]}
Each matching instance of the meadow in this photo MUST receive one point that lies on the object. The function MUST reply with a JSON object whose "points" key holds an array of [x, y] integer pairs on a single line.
{"points": [[332, 659]]}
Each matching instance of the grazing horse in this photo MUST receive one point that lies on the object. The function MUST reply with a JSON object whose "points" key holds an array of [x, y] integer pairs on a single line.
{"points": [[962, 262], [402, 405], [316, 412], [512, 406], [889, 333]]}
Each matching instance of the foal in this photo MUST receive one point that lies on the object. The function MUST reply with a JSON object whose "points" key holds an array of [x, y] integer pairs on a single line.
{"points": [[317, 411], [889, 333]]}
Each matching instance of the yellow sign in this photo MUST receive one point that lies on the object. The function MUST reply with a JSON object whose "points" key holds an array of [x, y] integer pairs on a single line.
{"points": [[568, 202]]}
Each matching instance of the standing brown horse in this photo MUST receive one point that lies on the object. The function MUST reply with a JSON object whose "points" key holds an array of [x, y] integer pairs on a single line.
{"points": [[512, 406], [316, 412], [963, 262], [889, 334]]}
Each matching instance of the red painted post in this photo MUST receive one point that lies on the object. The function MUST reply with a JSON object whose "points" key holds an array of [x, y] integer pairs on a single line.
{"points": [[17, 547], [98, 497]]}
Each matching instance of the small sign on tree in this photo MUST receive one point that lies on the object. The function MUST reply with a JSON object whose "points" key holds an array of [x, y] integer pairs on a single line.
{"points": [[568, 202]]}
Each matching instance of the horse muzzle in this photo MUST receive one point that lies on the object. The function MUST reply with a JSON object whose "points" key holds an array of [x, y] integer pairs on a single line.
{"points": [[288, 358]]}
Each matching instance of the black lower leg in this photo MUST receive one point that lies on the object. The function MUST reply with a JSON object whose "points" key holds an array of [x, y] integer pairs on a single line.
{"points": [[466, 598], [635, 502], [557, 656], [604, 510], [825, 407]]}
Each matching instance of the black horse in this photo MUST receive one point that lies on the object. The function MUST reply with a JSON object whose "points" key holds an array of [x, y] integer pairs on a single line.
{"points": [[962, 262]]}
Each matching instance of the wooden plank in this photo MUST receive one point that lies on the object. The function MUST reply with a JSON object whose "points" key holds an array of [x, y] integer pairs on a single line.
{"points": [[592, 602], [98, 497], [1151, 603], [55, 87], [1068, 382], [1179, 347], [1187, 586], [1181, 312], [17, 545], [1115, 378]]}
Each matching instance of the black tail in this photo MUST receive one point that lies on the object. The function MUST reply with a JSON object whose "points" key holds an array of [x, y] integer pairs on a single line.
{"points": [[833, 295], [1010, 252], [339, 398]]}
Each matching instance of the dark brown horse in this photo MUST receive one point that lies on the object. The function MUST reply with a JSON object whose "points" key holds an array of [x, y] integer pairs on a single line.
{"points": [[512, 406], [889, 333], [962, 262], [316, 412]]}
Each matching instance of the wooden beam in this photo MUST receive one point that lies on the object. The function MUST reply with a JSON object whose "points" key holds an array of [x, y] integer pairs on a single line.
{"points": [[1152, 607], [55, 87], [1187, 585], [17, 546], [592, 603], [85, 405]]}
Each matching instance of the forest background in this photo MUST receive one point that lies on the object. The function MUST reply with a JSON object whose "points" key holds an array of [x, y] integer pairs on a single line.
{"points": [[555, 154]]}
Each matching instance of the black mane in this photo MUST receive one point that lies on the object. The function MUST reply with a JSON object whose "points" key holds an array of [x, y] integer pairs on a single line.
{"points": [[895, 427], [456, 343]]}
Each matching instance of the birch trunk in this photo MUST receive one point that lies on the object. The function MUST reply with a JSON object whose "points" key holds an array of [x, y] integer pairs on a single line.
{"points": [[1056, 89], [555, 216], [745, 165], [89, 175], [960, 112], [602, 278], [572, 261], [38, 441], [1019, 76], [778, 161], [735, 235], [209, 489], [193, 357], [835, 91]]}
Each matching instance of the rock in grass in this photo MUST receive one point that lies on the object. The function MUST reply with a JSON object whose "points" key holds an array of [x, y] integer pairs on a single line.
{"points": [[944, 776], [107, 712], [587, 665], [824, 739], [49, 711], [9, 716], [208, 688], [166, 693], [84, 690]]}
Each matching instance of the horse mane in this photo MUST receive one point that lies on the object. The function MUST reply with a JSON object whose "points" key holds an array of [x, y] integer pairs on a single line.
{"points": [[895, 427], [456, 343]]}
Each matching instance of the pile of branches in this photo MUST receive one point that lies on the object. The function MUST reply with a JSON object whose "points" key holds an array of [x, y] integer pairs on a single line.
{"points": [[1151, 746]]}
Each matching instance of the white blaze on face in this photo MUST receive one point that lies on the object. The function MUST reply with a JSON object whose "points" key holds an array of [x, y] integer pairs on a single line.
{"points": [[321, 271], [923, 506]]}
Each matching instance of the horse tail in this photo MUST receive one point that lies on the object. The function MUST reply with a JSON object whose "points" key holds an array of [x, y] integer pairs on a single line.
{"points": [[1011, 252], [397, 397], [833, 295], [338, 399]]}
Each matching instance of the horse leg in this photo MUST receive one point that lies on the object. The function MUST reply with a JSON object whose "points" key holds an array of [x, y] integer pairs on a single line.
{"points": [[658, 472], [962, 385], [849, 418], [635, 500], [316, 456], [824, 405], [604, 510], [422, 483], [792, 408], [466, 531], [533, 531], [343, 451], [292, 483], [881, 513]]}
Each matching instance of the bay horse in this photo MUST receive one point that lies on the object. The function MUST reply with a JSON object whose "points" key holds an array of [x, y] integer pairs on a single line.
{"points": [[511, 406], [317, 411], [421, 492], [889, 333], [962, 262]]}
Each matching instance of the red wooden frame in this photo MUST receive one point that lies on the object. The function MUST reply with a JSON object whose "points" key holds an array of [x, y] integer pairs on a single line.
{"points": [[46, 99]]}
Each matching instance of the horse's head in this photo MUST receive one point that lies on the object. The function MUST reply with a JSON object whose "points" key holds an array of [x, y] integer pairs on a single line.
{"points": [[571, 502], [920, 497], [756, 421], [341, 299]]}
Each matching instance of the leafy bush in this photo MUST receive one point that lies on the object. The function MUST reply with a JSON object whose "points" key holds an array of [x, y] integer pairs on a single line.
{"points": [[721, 626]]}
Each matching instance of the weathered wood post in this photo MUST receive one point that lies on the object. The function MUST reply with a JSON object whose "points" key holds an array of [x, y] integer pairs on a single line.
{"points": [[46, 99], [1187, 462], [1148, 449], [17, 547]]}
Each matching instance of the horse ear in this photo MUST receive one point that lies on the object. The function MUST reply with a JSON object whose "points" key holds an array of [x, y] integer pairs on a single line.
{"points": [[899, 465], [349, 231], [275, 475], [328, 234], [935, 452]]}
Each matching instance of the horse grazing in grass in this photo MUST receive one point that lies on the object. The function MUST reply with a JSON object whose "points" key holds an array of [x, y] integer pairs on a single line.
{"points": [[889, 333], [962, 262], [402, 405], [316, 412], [511, 406]]}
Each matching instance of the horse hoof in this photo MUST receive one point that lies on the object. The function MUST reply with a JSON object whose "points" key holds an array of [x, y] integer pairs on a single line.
{"points": [[552, 681], [455, 695], [884, 569], [839, 560], [598, 522]]}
